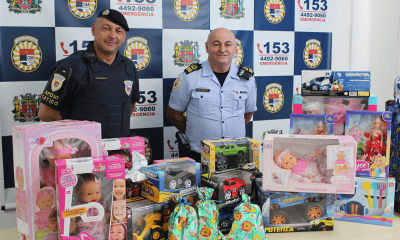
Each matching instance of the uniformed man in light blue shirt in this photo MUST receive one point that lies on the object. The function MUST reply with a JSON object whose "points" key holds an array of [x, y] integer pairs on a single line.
{"points": [[219, 97]]}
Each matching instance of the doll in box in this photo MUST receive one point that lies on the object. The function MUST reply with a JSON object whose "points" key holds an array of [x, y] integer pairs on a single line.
{"points": [[311, 107], [119, 190], [308, 170], [88, 189], [320, 129], [375, 143], [119, 212], [22, 201], [53, 226], [341, 163], [45, 202]]}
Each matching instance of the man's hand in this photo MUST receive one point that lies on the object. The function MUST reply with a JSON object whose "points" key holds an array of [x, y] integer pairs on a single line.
{"points": [[132, 107], [177, 118], [48, 114], [247, 117]]}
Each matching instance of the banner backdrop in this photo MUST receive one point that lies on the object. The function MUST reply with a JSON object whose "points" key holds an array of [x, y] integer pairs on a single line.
{"points": [[276, 38]]}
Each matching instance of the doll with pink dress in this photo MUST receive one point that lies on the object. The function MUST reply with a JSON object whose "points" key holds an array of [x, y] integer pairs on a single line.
{"points": [[88, 189], [341, 163], [45, 202], [307, 170], [21, 198], [375, 143], [53, 226]]}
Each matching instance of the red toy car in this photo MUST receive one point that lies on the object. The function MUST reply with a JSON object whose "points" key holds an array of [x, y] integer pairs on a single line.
{"points": [[233, 187]]}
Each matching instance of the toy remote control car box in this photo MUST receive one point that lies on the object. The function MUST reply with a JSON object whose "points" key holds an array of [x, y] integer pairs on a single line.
{"points": [[311, 163], [306, 124], [165, 180], [36, 147], [335, 83], [372, 132], [91, 197], [228, 154], [372, 203]]}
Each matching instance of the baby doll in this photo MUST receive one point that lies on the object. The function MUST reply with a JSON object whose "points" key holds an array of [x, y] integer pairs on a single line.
{"points": [[45, 202], [341, 163], [307, 171], [119, 189], [53, 225], [311, 107], [375, 143], [60, 150], [88, 189], [320, 129], [119, 212], [276, 179], [21, 198], [117, 232]]}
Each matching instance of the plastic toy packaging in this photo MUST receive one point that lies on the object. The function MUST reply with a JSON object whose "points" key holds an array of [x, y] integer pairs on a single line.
{"points": [[248, 223], [305, 124], [372, 131], [183, 223], [208, 215]]}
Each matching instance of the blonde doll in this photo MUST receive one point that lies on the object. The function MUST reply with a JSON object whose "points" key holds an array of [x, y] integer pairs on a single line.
{"points": [[375, 143], [320, 129]]}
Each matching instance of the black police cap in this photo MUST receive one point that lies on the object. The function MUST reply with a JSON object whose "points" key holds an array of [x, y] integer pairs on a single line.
{"points": [[114, 17]]}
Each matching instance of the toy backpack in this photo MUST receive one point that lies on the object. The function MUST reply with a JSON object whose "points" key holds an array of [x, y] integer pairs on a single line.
{"points": [[208, 215], [183, 221], [247, 223]]}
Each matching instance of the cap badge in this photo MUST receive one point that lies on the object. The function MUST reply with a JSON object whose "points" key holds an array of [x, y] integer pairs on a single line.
{"points": [[106, 12]]}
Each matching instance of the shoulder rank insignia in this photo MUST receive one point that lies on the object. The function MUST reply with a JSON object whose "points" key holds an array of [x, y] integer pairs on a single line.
{"points": [[193, 68], [245, 72]]}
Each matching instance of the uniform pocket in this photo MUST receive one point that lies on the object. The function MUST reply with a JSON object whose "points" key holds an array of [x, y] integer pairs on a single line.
{"points": [[201, 100], [239, 102]]}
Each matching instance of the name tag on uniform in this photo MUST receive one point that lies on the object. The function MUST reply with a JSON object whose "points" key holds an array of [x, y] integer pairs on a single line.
{"points": [[101, 78], [202, 90]]}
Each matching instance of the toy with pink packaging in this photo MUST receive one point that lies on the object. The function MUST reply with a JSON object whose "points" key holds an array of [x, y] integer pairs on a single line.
{"points": [[309, 163], [91, 197], [36, 148]]}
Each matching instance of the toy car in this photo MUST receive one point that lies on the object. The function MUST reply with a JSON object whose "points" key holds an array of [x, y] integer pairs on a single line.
{"points": [[230, 150], [312, 209], [132, 189], [225, 218], [152, 226], [233, 187], [149, 187], [324, 224], [319, 83], [175, 178]]}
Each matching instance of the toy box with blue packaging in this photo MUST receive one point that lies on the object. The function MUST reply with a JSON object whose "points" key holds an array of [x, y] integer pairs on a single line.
{"points": [[165, 180], [91, 197], [372, 132], [306, 124], [36, 147], [335, 83], [372, 203], [309, 163]]}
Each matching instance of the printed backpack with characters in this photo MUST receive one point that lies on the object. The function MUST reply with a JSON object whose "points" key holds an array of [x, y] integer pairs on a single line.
{"points": [[183, 222]]}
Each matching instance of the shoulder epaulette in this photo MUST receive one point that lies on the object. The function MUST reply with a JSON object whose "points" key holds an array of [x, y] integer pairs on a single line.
{"points": [[245, 72], [90, 57], [193, 68]]}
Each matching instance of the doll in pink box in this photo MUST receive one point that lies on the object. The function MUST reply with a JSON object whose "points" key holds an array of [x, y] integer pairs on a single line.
{"points": [[53, 226], [21, 198], [307, 170], [341, 163], [375, 143], [45, 202], [88, 189], [61, 149]]}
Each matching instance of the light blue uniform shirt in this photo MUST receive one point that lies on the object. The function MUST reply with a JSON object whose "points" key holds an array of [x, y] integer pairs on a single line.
{"points": [[213, 112]]}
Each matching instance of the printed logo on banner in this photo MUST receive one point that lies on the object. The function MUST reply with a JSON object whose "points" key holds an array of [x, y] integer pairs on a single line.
{"points": [[138, 51], [274, 11], [276, 53], [82, 8], [74, 45], [312, 54], [186, 10], [26, 54], [24, 6], [273, 98], [232, 9], [314, 11], [186, 53], [239, 54], [135, 7], [26, 107]]}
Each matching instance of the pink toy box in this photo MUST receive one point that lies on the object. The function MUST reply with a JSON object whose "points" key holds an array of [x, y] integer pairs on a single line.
{"points": [[36, 147], [91, 198], [306, 124], [308, 163]]}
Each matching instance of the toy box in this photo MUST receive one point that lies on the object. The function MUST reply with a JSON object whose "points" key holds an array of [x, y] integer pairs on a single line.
{"points": [[173, 159], [298, 212], [372, 202], [306, 124], [371, 131], [165, 180], [228, 154], [35, 148], [311, 163], [90, 192], [335, 83]]}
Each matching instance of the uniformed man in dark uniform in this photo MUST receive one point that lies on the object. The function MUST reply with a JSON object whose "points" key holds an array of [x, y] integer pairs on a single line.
{"points": [[98, 84]]}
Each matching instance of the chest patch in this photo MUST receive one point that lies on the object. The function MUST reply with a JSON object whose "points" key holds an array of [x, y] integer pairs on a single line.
{"points": [[128, 87], [57, 82]]}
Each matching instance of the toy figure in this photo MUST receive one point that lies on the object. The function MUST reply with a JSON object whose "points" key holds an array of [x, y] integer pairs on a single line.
{"points": [[45, 202], [341, 163], [88, 189], [378, 167], [117, 232], [375, 143], [311, 107], [53, 226], [340, 117], [119, 212], [60, 150], [276, 179], [119, 189], [21, 198], [320, 129], [308, 171]]}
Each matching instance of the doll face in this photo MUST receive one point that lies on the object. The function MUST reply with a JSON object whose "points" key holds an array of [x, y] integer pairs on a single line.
{"points": [[378, 161], [377, 123], [315, 111], [320, 127], [45, 202], [117, 232], [53, 225], [90, 192], [340, 156], [119, 189], [119, 210], [288, 161], [20, 181]]}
